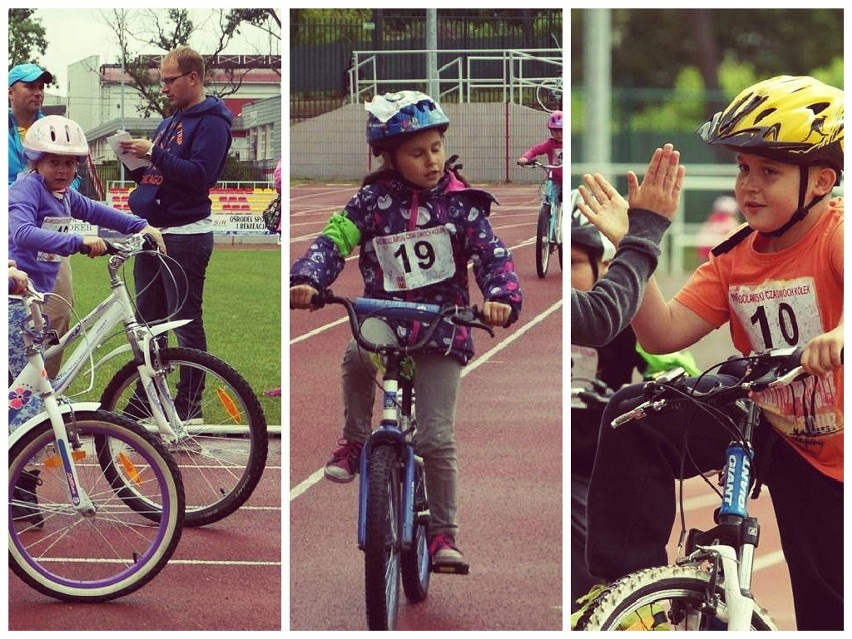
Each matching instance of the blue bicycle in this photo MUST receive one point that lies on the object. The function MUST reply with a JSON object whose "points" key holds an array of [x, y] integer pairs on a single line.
{"points": [[393, 507], [548, 236], [709, 588]]}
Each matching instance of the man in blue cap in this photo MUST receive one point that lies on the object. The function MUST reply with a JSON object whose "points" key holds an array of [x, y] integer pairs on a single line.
{"points": [[26, 96]]}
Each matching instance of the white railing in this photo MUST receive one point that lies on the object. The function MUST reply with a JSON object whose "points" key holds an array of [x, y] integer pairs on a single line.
{"points": [[464, 74]]}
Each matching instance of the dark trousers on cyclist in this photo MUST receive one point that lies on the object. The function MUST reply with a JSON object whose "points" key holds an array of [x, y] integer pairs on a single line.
{"points": [[164, 293], [631, 506]]}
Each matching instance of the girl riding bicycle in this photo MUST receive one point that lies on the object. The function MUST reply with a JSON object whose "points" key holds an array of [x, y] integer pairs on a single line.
{"points": [[417, 225], [41, 208], [552, 148], [778, 281]]}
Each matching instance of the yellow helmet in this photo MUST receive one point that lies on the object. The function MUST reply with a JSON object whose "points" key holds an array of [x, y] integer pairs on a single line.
{"points": [[792, 119]]}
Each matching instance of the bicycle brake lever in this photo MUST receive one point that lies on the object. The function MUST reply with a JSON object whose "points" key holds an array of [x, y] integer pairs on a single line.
{"points": [[471, 317]]}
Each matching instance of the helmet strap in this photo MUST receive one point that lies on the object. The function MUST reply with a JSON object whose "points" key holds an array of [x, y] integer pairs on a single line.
{"points": [[801, 210]]}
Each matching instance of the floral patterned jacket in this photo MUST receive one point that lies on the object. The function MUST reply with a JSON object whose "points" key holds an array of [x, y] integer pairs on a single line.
{"points": [[390, 208]]}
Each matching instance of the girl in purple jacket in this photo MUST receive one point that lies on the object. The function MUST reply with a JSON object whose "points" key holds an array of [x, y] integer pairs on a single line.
{"points": [[41, 208], [413, 191]]}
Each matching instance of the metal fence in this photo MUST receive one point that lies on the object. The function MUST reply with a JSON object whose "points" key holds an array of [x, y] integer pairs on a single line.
{"points": [[323, 53]]}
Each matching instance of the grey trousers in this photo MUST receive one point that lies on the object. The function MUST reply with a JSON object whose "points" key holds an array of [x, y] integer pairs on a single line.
{"points": [[436, 385]]}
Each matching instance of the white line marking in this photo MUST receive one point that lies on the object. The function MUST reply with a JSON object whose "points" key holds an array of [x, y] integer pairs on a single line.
{"points": [[315, 477]]}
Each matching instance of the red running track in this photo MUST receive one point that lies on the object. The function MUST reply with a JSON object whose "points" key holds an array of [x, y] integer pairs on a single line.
{"points": [[509, 430], [226, 576]]}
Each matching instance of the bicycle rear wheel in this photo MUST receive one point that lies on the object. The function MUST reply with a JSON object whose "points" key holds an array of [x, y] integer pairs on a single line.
{"points": [[381, 543], [223, 452], [99, 556], [666, 598], [542, 241], [415, 562]]}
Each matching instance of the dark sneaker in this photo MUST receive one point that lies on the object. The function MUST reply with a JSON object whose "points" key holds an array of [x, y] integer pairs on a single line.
{"points": [[26, 508], [445, 554], [344, 462]]}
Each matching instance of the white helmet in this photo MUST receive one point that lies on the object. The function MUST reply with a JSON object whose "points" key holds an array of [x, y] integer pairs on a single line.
{"points": [[57, 135]]}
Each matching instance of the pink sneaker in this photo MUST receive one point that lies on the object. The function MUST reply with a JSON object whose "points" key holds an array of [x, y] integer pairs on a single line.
{"points": [[344, 462]]}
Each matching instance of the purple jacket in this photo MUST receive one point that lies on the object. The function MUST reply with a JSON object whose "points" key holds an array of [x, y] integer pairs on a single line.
{"points": [[390, 206]]}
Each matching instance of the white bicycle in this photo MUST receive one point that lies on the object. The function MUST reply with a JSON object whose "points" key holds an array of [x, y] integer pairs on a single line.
{"points": [[203, 409], [76, 532]]}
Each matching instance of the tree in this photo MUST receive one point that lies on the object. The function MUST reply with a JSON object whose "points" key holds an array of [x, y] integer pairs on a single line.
{"points": [[26, 37], [165, 30], [651, 46]]}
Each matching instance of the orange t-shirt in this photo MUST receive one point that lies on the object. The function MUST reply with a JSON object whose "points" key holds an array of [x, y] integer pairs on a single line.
{"points": [[782, 299]]}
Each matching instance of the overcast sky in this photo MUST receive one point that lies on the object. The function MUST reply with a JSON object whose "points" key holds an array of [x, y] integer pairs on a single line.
{"points": [[74, 34]]}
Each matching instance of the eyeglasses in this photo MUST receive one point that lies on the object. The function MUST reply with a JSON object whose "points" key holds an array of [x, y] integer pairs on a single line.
{"points": [[167, 82]]}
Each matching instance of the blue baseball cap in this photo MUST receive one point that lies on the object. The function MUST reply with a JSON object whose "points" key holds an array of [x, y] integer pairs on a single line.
{"points": [[28, 73]]}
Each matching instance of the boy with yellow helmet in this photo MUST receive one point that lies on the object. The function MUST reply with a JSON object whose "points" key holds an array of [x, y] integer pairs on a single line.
{"points": [[778, 281]]}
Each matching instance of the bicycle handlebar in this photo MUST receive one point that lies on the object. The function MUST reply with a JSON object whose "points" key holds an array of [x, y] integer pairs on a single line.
{"points": [[771, 369], [399, 309], [546, 167]]}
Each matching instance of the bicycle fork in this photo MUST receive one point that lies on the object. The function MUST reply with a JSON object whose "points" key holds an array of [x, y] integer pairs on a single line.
{"points": [[389, 434]]}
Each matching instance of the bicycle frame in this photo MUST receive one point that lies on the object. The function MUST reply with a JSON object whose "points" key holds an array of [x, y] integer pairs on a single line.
{"points": [[736, 536], [34, 377], [96, 327]]}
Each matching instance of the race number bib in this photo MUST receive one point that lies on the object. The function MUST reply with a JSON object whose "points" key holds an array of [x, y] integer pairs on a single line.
{"points": [[416, 258], [777, 314], [57, 225], [584, 365]]}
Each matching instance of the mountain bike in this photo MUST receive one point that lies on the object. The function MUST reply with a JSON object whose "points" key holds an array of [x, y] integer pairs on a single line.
{"points": [[73, 534], [709, 586], [393, 507], [548, 236], [203, 409]]}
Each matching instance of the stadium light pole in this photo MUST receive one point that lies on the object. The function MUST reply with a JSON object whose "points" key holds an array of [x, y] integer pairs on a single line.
{"points": [[597, 71], [432, 53]]}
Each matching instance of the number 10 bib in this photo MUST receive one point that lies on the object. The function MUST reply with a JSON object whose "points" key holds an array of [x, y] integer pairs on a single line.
{"points": [[416, 258]]}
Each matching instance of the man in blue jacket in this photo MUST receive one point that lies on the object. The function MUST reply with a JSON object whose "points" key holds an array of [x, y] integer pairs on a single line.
{"points": [[186, 158], [26, 96]]}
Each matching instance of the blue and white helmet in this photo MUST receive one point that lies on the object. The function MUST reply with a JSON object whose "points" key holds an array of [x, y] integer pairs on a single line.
{"points": [[393, 115]]}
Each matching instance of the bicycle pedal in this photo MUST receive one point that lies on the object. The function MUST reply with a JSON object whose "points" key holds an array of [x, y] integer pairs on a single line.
{"points": [[462, 568]]}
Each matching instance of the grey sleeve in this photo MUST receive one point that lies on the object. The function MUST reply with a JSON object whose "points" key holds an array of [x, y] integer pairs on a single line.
{"points": [[597, 316]]}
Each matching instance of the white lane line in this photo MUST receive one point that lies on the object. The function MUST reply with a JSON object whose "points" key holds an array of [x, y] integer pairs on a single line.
{"points": [[310, 481], [315, 477], [185, 562]]}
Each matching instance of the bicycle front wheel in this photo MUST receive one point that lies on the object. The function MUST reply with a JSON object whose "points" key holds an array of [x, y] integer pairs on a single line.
{"points": [[542, 241], [223, 447], [106, 552], [665, 598], [382, 542]]}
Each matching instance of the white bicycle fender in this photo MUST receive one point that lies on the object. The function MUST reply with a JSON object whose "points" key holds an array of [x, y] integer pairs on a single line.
{"points": [[64, 409]]}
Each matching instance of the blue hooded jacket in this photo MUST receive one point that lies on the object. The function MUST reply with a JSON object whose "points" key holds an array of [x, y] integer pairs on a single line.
{"points": [[190, 148]]}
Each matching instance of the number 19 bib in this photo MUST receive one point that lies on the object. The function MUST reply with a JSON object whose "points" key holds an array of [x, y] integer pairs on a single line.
{"points": [[416, 258]]}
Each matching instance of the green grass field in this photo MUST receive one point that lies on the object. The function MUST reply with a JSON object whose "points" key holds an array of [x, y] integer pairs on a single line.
{"points": [[242, 316]]}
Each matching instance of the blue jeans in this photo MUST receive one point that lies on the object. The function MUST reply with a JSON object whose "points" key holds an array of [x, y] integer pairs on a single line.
{"points": [[164, 293]]}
